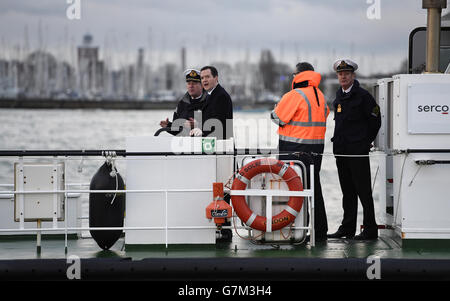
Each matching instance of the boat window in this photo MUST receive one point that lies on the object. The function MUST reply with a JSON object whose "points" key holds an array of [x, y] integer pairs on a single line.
{"points": [[417, 50]]}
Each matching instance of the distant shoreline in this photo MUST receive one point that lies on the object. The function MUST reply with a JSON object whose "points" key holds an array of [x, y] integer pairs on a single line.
{"points": [[25, 103]]}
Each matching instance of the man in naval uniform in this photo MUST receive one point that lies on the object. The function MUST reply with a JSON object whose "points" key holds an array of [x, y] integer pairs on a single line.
{"points": [[357, 121], [191, 102]]}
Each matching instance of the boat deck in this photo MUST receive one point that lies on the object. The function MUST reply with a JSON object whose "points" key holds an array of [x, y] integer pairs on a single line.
{"points": [[239, 259]]}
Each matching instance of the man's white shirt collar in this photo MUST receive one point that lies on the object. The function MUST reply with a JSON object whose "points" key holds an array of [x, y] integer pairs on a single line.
{"points": [[209, 92], [348, 90]]}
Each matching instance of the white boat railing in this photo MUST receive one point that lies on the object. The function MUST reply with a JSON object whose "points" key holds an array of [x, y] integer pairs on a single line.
{"points": [[71, 193]]}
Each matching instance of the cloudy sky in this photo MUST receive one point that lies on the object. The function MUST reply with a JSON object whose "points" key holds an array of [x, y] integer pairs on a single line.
{"points": [[218, 30]]}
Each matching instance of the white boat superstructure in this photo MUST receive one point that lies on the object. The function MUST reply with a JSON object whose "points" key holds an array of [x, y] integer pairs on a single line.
{"points": [[415, 138]]}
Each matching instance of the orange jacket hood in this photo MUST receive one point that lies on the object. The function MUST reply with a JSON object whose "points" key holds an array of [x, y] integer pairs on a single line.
{"points": [[312, 77]]}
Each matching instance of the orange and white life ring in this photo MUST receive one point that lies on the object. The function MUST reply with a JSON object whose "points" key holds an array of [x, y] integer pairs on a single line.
{"points": [[266, 165]]}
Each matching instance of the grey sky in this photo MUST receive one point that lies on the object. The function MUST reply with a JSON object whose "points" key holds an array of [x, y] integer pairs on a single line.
{"points": [[212, 30]]}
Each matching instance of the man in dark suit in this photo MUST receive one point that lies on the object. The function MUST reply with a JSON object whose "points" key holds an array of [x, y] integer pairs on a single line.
{"points": [[217, 120], [217, 113]]}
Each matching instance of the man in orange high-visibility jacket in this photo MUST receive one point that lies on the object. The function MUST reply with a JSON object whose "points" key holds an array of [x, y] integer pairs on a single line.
{"points": [[301, 116]]}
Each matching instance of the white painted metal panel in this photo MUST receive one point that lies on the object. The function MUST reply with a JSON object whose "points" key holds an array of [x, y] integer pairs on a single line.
{"points": [[39, 177], [10, 209], [186, 209], [381, 141], [424, 197], [429, 108], [402, 138]]}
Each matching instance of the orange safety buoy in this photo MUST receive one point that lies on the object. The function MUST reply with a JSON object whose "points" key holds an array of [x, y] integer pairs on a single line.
{"points": [[265, 165]]}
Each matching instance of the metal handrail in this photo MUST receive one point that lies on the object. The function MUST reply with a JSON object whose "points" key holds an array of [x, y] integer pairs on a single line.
{"points": [[125, 228], [124, 153], [103, 191], [66, 191]]}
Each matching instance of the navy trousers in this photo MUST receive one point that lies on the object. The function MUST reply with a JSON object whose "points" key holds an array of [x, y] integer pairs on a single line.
{"points": [[355, 181]]}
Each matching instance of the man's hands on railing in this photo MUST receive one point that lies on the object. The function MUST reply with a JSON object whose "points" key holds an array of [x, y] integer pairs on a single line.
{"points": [[190, 123]]}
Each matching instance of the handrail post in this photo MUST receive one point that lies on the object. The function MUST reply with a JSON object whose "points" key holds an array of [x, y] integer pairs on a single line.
{"points": [[38, 237], [269, 213], [313, 230]]}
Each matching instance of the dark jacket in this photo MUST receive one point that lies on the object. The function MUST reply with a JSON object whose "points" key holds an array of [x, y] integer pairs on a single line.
{"points": [[218, 107], [185, 110], [357, 121]]}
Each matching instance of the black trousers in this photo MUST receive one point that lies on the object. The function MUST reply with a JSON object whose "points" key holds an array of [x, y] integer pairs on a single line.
{"points": [[355, 181], [320, 216]]}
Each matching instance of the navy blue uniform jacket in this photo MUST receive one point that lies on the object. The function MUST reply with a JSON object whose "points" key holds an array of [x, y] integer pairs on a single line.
{"points": [[185, 110], [357, 121]]}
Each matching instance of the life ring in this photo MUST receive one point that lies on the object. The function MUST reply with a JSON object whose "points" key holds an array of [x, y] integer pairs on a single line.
{"points": [[264, 165]]}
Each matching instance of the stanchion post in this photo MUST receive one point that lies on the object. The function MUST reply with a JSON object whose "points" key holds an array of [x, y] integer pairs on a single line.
{"points": [[38, 237]]}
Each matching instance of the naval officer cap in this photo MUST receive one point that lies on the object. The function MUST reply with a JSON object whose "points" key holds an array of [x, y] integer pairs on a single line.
{"points": [[192, 75], [345, 65]]}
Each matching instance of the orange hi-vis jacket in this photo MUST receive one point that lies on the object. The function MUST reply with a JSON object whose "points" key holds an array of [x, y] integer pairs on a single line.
{"points": [[302, 112]]}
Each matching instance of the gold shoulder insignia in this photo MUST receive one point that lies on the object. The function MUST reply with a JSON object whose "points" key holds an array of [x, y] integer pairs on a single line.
{"points": [[376, 110]]}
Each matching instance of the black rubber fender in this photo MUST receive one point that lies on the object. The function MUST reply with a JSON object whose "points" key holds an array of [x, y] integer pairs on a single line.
{"points": [[103, 211]]}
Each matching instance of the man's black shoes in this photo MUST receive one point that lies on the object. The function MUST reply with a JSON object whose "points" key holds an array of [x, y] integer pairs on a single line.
{"points": [[340, 234], [366, 235]]}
